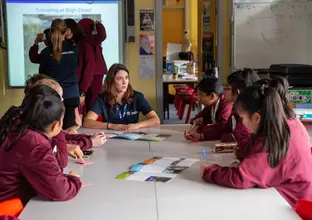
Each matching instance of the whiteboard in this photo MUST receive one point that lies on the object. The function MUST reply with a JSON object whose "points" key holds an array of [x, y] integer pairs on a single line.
{"points": [[271, 33]]}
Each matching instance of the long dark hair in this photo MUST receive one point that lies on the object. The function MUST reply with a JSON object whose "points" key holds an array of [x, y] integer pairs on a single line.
{"points": [[210, 85], [109, 82], [40, 107], [281, 85], [77, 31], [241, 79], [273, 125]]}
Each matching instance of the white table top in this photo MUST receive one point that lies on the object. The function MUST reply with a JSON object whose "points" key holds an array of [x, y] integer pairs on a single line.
{"points": [[184, 197]]}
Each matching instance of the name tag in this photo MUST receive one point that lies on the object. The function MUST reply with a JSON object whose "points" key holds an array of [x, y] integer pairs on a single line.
{"points": [[132, 113]]}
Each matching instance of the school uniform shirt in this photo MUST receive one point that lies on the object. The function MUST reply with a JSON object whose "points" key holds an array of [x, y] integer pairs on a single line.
{"points": [[215, 114], [292, 177], [59, 144], [122, 114], [30, 169], [213, 131], [64, 72]]}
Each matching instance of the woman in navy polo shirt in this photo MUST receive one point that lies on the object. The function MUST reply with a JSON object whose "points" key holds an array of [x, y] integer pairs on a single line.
{"points": [[120, 105]]}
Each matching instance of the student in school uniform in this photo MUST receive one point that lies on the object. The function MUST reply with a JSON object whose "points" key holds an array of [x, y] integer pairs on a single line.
{"points": [[33, 53], [67, 144], [28, 165], [217, 110], [120, 105], [233, 130], [279, 156], [95, 35], [59, 60], [7, 217]]}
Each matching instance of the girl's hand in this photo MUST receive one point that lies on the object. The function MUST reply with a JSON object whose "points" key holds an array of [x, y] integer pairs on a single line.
{"points": [[98, 139], [71, 173], [203, 168], [133, 127], [75, 152], [194, 136]]}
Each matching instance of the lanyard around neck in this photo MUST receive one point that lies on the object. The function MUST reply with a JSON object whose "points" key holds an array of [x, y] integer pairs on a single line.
{"points": [[122, 115]]}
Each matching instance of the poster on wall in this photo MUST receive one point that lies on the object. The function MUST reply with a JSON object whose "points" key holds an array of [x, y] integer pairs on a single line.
{"points": [[147, 20], [147, 43], [147, 67]]}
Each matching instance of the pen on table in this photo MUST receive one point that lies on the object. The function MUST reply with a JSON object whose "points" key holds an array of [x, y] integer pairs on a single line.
{"points": [[193, 125], [204, 153]]}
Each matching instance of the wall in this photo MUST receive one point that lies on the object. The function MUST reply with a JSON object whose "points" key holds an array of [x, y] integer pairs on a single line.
{"points": [[146, 86], [10, 97]]}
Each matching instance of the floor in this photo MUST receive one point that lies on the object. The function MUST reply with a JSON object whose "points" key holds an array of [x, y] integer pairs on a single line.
{"points": [[174, 119]]}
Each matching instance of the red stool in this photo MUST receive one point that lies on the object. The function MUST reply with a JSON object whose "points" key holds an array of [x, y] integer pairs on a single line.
{"points": [[304, 209], [12, 207]]}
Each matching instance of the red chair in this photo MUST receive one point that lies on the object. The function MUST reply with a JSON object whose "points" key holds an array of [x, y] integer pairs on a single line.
{"points": [[304, 209], [12, 207]]}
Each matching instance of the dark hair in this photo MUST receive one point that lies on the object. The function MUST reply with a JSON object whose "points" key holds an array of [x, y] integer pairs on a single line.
{"points": [[32, 80], [273, 125], [241, 79], [47, 33], [40, 107], [77, 31], [109, 81], [210, 85], [58, 29], [281, 85]]}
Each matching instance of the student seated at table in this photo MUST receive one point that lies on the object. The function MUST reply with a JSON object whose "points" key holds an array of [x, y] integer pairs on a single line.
{"points": [[67, 144], [279, 155], [28, 166], [233, 130], [120, 105], [217, 110]]}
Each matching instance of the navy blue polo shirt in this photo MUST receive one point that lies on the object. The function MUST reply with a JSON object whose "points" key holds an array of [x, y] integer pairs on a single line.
{"points": [[65, 71], [116, 114]]}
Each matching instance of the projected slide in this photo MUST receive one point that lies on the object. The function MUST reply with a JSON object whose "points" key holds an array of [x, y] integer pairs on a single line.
{"points": [[27, 18]]}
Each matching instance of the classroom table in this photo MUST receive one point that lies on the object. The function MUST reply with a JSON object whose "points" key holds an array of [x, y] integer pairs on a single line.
{"points": [[184, 197]]}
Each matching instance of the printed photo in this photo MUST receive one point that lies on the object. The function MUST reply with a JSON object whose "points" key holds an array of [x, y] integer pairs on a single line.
{"points": [[175, 169], [146, 20], [147, 44], [158, 179], [34, 24]]}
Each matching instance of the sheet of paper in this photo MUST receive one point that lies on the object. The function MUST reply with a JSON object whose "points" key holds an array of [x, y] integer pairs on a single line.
{"points": [[165, 162], [173, 51], [147, 67], [151, 177], [187, 162], [130, 136], [85, 162], [153, 168]]}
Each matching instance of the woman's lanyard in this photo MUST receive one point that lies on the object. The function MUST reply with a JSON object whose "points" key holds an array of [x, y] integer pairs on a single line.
{"points": [[122, 115], [214, 110]]}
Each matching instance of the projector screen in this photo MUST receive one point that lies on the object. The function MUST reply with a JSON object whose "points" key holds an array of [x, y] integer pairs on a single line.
{"points": [[27, 18]]}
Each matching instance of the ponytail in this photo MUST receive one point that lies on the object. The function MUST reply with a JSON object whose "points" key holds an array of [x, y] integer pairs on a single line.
{"points": [[273, 126], [58, 30], [8, 120]]}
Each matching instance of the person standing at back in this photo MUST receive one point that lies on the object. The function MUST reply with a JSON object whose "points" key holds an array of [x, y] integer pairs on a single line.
{"points": [[95, 34], [59, 60]]}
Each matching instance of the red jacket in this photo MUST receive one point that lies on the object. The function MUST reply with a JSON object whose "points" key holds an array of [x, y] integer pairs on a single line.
{"points": [[95, 40], [61, 141], [34, 55], [86, 65], [6, 217], [292, 177], [214, 131], [30, 169]]}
